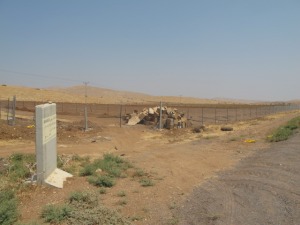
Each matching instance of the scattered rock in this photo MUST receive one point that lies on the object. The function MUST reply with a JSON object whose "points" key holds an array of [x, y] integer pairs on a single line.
{"points": [[198, 129]]}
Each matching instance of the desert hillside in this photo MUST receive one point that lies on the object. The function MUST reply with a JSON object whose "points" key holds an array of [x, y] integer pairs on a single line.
{"points": [[95, 95]]}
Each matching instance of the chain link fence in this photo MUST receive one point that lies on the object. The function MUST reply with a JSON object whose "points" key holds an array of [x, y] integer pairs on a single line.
{"points": [[196, 114]]}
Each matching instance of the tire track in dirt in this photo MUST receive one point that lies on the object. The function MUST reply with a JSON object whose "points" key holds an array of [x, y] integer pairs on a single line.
{"points": [[262, 189]]}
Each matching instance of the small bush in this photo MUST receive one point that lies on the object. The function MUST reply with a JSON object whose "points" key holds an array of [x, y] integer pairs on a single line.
{"points": [[121, 194], [56, 214], [79, 196], [138, 173], [8, 207], [88, 170], [102, 181], [102, 191], [146, 182]]}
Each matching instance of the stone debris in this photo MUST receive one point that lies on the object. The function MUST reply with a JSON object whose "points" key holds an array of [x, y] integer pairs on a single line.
{"points": [[150, 116]]}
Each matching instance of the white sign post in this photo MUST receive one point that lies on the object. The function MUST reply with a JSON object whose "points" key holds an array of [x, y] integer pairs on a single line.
{"points": [[45, 145]]}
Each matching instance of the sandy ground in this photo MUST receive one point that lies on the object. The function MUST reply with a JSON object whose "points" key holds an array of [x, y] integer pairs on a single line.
{"points": [[178, 161]]}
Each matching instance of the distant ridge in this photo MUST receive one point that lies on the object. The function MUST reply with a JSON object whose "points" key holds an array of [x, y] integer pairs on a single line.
{"points": [[76, 94]]}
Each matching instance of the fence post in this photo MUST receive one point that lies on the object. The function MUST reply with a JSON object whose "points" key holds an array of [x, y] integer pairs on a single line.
{"points": [[121, 115], [85, 118], [160, 116], [7, 110], [202, 119], [14, 111], [236, 114], [227, 115], [215, 115]]}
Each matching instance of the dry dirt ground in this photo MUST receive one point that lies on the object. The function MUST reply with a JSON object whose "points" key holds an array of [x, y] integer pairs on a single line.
{"points": [[178, 161]]}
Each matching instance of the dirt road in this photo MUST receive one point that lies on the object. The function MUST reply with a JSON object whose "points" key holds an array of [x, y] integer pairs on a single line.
{"points": [[261, 189]]}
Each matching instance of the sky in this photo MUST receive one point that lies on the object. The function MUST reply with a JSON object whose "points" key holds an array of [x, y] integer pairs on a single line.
{"points": [[240, 49]]}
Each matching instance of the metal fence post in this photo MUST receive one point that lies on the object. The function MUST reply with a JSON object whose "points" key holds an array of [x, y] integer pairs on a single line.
{"points": [[7, 110], [215, 115], [227, 116], [14, 111], [202, 115], [160, 116], [121, 115]]}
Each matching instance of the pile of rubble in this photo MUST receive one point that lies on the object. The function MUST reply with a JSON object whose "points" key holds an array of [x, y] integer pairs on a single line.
{"points": [[171, 118]]}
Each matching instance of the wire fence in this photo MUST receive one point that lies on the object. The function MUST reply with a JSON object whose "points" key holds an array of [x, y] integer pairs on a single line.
{"points": [[196, 114]]}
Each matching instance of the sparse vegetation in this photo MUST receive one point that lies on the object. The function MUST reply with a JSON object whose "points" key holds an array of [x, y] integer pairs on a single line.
{"points": [[233, 139], [102, 180], [139, 173], [122, 202], [110, 167], [121, 194], [284, 132], [56, 213], [82, 208], [146, 182], [8, 207], [79, 196], [136, 218], [102, 191]]}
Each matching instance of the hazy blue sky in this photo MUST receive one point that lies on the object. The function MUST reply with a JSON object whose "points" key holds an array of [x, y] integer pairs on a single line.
{"points": [[244, 49]]}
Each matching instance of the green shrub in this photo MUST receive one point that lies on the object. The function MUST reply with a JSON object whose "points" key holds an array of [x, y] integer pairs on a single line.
{"points": [[284, 132], [56, 214], [8, 207], [102, 181], [281, 134], [88, 170]]}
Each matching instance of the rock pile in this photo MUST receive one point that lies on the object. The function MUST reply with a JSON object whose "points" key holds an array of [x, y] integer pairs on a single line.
{"points": [[150, 116]]}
